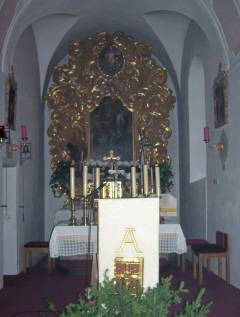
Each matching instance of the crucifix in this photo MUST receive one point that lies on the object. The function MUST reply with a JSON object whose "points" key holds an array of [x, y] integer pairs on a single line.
{"points": [[114, 169]]}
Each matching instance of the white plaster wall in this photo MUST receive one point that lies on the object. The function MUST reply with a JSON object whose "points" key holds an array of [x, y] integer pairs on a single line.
{"points": [[224, 198], [30, 193], [206, 207], [2, 150], [196, 44], [1, 229], [52, 204], [30, 113]]}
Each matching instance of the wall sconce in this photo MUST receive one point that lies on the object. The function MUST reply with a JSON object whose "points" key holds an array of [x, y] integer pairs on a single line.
{"points": [[4, 135], [25, 148], [222, 145]]}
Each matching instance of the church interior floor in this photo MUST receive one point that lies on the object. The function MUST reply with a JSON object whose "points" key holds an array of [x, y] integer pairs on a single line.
{"points": [[77, 265], [24, 294]]}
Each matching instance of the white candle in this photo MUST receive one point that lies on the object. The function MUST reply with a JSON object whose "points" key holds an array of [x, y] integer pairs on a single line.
{"points": [[145, 180], [97, 177], [157, 181], [116, 189], [72, 182], [133, 178], [141, 176], [151, 170], [85, 181]]}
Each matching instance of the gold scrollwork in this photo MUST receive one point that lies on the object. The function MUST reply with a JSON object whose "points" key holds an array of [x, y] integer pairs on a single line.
{"points": [[136, 80]]}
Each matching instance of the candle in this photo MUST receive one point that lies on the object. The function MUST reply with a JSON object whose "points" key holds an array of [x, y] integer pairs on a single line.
{"points": [[145, 180], [151, 171], [85, 177], [24, 132], [2, 132], [97, 177], [133, 178], [157, 181], [206, 134], [72, 182], [116, 189]]}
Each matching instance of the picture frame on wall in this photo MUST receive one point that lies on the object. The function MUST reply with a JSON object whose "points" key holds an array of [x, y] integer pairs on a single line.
{"points": [[220, 99], [11, 102]]}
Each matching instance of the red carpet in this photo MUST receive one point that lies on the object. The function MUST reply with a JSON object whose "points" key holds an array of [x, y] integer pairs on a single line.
{"points": [[23, 295]]}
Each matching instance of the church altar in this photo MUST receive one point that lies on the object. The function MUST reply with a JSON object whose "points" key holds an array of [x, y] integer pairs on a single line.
{"points": [[114, 120], [74, 240], [167, 204]]}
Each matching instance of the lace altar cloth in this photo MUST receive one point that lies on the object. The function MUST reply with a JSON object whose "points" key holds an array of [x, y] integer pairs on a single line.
{"points": [[76, 240]]}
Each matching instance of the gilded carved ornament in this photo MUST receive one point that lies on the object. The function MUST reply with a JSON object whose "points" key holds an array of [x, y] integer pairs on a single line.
{"points": [[114, 66]]}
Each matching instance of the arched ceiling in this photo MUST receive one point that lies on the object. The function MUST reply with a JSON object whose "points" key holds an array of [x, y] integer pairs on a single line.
{"points": [[162, 23]]}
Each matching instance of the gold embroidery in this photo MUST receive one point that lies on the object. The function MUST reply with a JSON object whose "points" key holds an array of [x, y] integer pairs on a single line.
{"points": [[129, 231]]}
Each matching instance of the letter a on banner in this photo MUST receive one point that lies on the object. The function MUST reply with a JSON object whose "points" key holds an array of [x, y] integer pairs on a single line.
{"points": [[129, 231]]}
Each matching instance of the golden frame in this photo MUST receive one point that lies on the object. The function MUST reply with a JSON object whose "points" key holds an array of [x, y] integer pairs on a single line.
{"points": [[220, 99], [129, 74], [11, 102]]}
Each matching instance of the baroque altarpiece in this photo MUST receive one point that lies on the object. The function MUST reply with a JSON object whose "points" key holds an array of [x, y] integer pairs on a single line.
{"points": [[110, 95]]}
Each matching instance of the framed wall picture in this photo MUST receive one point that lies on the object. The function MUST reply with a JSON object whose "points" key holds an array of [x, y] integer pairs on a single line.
{"points": [[220, 99], [11, 102]]}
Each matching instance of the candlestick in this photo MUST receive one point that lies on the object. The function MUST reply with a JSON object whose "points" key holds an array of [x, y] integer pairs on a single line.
{"points": [[85, 175], [24, 132], [73, 221], [133, 178], [85, 221], [157, 181], [206, 134], [72, 182], [145, 180]]}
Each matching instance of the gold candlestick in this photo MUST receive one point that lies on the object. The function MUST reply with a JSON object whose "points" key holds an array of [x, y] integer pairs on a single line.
{"points": [[72, 219], [85, 221]]}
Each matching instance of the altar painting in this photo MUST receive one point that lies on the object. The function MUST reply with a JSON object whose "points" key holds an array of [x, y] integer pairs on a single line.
{"points": [[111, 129]]}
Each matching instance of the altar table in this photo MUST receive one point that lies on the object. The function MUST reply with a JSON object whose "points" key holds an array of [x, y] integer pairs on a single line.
{"points": [[76, 240]]}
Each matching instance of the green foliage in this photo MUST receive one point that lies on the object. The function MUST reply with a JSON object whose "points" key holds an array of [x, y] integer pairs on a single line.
{"points": [[60, 179], [166, 176], [113, 299]]}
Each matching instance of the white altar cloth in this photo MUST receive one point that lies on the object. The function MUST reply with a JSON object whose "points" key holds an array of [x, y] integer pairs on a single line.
{"points": [[76, 240], [171, 239], [72, 240]]}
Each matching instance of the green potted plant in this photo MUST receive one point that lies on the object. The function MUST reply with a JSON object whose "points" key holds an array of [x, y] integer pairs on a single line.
{"points": [[166, 176], [112, 299], [59, 180]]}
